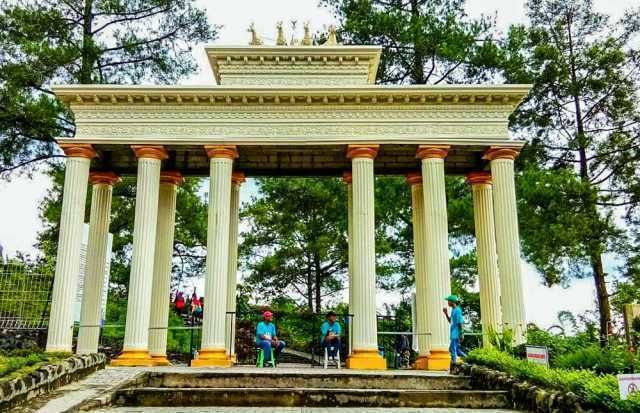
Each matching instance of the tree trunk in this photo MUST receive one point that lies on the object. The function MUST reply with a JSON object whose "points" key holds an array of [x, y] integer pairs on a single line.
{"points": [[309, 289], [595, 244], [318, 286], [88, 54], [418, 50], [604, 308]]}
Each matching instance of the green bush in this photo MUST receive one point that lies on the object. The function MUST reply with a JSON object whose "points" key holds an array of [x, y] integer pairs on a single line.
{"points": [[612, 360], [13, 366], [599, 391]]}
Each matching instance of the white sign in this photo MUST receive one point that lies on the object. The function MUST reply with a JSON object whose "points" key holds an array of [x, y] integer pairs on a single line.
{"points": [[538, 355], [83, 272], [628, 384]]}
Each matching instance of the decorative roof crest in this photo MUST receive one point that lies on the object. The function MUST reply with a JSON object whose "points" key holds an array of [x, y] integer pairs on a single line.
{"points": [[255, 38]]}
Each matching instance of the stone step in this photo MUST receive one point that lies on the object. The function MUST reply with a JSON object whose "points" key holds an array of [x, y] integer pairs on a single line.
{"points": [[327, 379], [310, 397]]}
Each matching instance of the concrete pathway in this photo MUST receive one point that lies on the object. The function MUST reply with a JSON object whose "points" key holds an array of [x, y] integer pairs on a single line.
{"points": [[290, 410], [94, 386]]}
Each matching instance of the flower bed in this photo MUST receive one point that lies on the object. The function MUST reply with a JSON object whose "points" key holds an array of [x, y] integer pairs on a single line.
{"points": [[542, 389]]}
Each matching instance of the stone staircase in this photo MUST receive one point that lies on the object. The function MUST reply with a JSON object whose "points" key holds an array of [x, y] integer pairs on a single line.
{"points": [[240, 387]]}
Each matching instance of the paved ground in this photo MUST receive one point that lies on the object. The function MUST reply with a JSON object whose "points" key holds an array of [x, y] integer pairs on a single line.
{"points": [[66, 397], [291, 410]]}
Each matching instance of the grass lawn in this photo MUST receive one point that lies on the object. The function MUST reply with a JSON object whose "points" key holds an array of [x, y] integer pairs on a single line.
{"points": [[14, 365]]}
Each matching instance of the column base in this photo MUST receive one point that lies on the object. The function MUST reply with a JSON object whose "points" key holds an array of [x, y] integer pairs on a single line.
{"points": [[212, 358], [422, 362], [366, 360], [133, 358], [160, 360], [439, 360]]}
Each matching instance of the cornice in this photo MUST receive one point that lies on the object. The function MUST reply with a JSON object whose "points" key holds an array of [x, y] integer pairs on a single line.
{"points": [[140, 95], [300, 56]]}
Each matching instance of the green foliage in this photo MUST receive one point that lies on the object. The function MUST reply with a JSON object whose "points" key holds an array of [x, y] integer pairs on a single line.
{"points": [[54, 41], [599, 391], [610, 360], [14, 365], [581, 119], [422, 41], [559, 345]]}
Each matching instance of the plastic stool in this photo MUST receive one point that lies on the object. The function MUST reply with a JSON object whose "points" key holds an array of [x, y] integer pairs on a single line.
{"points": [[260, 358]]}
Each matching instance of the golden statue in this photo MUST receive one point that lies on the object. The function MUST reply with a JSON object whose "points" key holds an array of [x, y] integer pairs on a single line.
{"points": [[281, 40], [332, 40], [255, 39], [307, 40]]}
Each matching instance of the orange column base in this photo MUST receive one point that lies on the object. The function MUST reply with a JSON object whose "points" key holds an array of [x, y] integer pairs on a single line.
{"points": [[160, 360], [422, 362], [366, 360], [133, 358], [212, 358], [439, 360]]}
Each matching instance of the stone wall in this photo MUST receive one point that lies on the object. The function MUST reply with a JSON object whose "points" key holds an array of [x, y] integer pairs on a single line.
{"points": [[524, 395], [48, 378]]}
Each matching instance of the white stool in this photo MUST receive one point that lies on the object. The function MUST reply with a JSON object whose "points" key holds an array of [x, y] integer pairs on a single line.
{"points": [[326, 358]]}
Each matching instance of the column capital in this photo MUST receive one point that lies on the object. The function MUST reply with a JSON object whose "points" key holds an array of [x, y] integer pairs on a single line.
{"points": [[362, 151], [221, 151], [432, 151], [347, 177], [150, 151], [501, 152], [171, 177], [99, 177], [478, 177], [414, 178], [78, 150], [238, 177]]}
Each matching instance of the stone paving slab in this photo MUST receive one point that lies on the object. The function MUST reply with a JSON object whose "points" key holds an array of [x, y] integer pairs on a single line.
{"points": [[292, 410], [66, 398]]}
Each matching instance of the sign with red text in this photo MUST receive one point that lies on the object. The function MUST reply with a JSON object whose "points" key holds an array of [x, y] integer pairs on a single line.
{"points": [[538, 355], [628, 384]]}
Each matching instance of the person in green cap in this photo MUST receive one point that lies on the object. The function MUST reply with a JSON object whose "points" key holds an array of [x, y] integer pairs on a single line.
{"points": [[455, 331]]}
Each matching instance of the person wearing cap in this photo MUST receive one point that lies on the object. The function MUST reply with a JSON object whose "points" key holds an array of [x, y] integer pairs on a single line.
{"points": [[330, 331], [266, 337], [456, 320]]}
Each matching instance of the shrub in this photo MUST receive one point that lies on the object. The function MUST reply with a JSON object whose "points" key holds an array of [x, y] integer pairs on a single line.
{"points": [[612, 360], [598, 391], [12, 366]]}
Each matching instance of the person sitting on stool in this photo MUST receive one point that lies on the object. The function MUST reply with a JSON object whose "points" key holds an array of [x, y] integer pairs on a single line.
{"points": [[266, 337], [331, 331]]}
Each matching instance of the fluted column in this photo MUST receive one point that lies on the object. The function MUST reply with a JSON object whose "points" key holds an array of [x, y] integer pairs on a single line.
{"points": [[436, 252], [417, 202], [213, 351], [135, 351], [508, 240], [365, 338], [160, 290], [89, 332], [60, 332], [490, 312], [237, 178], [347, 179]]}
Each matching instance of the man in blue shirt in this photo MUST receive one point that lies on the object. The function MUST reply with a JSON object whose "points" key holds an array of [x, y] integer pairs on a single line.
{"points": [[266, 338], [331, 331], [456, 335]]}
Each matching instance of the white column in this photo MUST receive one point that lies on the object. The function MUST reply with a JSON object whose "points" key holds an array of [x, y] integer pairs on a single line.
{"points": [[437, 252], [213, 352], [417, 202], [237, 178], [89, 332], [347, 178], [365, 339], [490, 313], [160, 290], [508, 241], [135, 351], [60, 332]]}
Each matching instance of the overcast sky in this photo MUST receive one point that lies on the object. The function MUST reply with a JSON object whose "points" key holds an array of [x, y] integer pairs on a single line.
{"points": [[20, 198]]}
